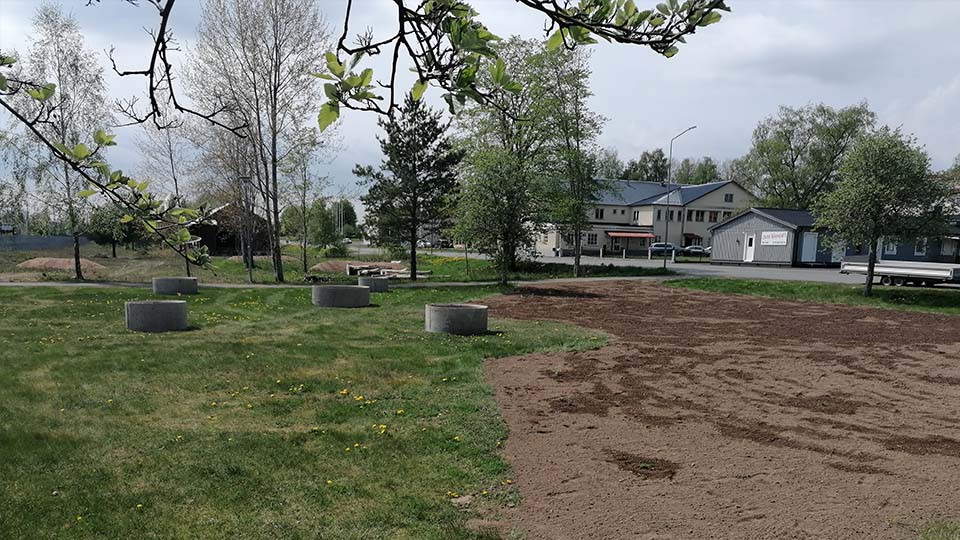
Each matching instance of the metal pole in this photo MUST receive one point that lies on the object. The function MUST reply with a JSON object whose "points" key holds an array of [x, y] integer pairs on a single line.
{"points": [[666, 230]]}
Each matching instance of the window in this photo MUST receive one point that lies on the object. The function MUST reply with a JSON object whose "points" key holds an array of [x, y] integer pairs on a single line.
{"points": [[920, 249], [670, 216], [728, 197], [727, 214], [636, 215], [714, 216], [689, 215], [622, 211], [659, 215], [592, 239], [598, 213], [700, 214], [890, 248]]}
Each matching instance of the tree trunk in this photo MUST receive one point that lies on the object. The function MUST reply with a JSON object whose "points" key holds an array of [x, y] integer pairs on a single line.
{"points": [[576, 252], [871, 264], [113, 246], [303, 252], [413, 253], [76, 252]]}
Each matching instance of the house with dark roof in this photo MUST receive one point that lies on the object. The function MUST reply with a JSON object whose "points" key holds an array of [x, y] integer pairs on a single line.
{"points": [[632, 215], [771, 236]]}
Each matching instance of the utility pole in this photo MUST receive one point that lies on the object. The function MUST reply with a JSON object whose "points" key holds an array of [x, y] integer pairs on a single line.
{"points": [[666, 231]]}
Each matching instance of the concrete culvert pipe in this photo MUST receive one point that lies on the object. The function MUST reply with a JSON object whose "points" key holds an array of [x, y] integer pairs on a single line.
{"points": [[341, 296], [156, 315], [459, 319], [175, 285], [376, 284]]}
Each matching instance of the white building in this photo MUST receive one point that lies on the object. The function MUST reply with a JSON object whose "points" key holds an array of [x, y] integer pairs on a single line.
{"points": [[633, 215]]}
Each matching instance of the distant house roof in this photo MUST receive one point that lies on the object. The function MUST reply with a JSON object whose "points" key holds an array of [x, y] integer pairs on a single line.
{"points": [[635, 193], [683, 195], [627, 192], [792, 219]]}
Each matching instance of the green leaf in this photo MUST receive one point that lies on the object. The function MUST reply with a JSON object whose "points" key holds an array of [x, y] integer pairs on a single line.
{"points": [[7, 60], [498, 70], [419, 88], [710, 18], [513, 86], [326, 76], [669, 53], [555, 40], [663, 8], [366, 77], [331, 91], [103, 138], [329, 113], [3, 82], [334, 65], [80, 151], [87, 192], [63, 149], [127, 218]]}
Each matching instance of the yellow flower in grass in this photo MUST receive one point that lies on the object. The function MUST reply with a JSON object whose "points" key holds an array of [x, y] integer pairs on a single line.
{"points": [[400, 412], [344, 392]]}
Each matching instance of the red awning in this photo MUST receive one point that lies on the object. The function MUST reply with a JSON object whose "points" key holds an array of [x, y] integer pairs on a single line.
{"points": [[623, 234]]}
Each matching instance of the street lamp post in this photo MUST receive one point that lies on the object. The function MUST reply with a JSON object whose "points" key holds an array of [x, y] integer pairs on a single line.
{"points": [[666, 230]]}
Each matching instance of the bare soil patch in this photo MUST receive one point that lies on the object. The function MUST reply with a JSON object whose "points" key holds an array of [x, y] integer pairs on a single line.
{"points": [[61, 264], [730, 417], [341, 266]]}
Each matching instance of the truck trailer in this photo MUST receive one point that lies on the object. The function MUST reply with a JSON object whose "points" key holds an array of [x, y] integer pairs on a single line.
{"points": [[900, 273]]}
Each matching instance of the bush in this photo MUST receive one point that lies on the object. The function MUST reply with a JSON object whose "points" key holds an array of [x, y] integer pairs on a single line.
{"points": [[336, 250]]}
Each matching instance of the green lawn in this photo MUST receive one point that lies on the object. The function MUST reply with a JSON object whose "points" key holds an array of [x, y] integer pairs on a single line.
{"points": [[138, 267], [269, 419], [936, 300]]}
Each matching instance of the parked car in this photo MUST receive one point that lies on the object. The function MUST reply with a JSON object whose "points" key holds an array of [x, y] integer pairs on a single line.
{"points": [[444, 243], [696, 251], [424, 244], [661, 248]]}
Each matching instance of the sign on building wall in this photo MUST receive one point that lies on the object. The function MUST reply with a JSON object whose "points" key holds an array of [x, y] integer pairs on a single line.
{"points": [[773, 238]]}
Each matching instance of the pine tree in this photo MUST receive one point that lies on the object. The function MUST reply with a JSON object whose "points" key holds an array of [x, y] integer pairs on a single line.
{"points": [[411, 191]]}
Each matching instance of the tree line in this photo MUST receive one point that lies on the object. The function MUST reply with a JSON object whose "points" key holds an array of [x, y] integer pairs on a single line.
{"points": [[252, 62], [501, 172]]}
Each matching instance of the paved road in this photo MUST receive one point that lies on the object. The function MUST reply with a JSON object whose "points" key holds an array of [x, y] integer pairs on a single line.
{"points": [[822, 275]]}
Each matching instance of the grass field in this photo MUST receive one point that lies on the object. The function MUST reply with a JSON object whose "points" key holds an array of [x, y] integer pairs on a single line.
{"points": [[269, 419], [941, 531], [935, 300], [137, 267]]}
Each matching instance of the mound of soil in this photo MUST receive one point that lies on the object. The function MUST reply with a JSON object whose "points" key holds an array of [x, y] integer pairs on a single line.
{"points": [[55, 264], [340, 267], [264, 259]]}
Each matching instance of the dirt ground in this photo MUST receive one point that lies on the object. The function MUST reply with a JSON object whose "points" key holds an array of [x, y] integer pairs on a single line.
{"points": [[53, 263], [734, 417]]}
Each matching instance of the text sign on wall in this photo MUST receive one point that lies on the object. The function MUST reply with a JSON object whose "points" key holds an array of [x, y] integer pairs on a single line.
{"points": [[773, 238]]}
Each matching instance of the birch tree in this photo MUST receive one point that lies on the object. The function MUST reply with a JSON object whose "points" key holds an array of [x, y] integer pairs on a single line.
{"points": [[256, 57], [58, 54]]}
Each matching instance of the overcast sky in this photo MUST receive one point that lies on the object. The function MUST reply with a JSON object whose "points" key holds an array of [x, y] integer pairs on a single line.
{"points": [[902, 57]]}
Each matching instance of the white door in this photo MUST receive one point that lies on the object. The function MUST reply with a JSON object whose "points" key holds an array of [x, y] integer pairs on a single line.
{"points": [[809, 253], [749, 247]]}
